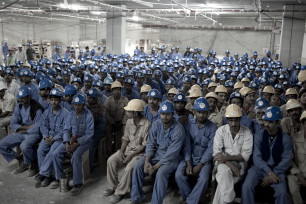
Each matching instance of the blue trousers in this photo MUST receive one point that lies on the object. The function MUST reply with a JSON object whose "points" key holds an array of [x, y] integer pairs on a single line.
{"points": [[26, 142], [192, 196], [76, 162], [256, 175], [94, 145], [45, 157], [160, 185]]}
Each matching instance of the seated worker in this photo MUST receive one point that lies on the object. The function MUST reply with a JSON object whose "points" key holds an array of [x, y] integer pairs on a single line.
{"points": [[151, 110], [163, 147], [198, 149], [213, 115], [232, 148], [261, 105], [7, 105], [272, 158], [80, 125], [51, 128], [144, 90], [297, 177], [181, 113], [97, 110], [132, 148], [70, 91], [44, 89], [25, 124]]}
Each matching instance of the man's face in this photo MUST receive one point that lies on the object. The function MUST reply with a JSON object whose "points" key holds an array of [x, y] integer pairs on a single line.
{"points": [[66, 78], [116, 92], [25, 100], [68, 98], [166, 118], [8, 77], [250, 98], [157, 77], [77, 85], [55, 102], [26, 79], [140, 80], [260, 113], [234, 123], [222, 97], [212, 104], [144, 96], [78, 108], [236, 101], [107, 87], [291, 96], [267, 96], [179, 106], [201, 116], [128, 87], [88, 84], [171, 97], [270, 125], [153, 102], [129, 114], [169, 86], [91, 100], [295, 113], [44, 93], [186, 85]]}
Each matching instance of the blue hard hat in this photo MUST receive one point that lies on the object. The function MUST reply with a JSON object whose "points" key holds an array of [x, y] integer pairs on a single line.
{"points": [[51, 71], [88, 77], [170, 81], [157, 73], [108, 81], [229, 83], [149, 72], [70, 90], [78, 99], [262, 103], [273, 113], [76, 79], [253, 84], [154, 93], [236, 95], [56, 92], [66, 72], [23, 92], [44, 84], [9, 71], [97, 83], [119, 75], [139, 75], [166, 107], [279, 86], [93, 92], [129, 80], [187, 78], [201, 104], [26, 72], [180, 97]]}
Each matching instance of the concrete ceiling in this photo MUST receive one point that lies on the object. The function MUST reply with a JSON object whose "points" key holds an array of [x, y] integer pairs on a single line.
{"points": [[180, 12]]}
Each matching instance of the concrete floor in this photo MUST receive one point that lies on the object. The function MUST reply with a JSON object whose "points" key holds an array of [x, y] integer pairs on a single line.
{"points": [[20, 189]]}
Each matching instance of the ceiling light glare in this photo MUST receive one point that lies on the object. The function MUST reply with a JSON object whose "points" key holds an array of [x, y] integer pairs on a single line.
{"points": [[135, 17], [96, 12], [70, 6]]}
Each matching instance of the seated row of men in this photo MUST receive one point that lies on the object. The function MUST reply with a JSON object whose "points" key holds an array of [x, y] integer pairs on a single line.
{"points": [[172, 139]]}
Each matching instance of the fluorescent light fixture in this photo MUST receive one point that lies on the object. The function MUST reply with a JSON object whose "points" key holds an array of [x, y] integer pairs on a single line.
{"points": [[97, 12], [74, 7]]}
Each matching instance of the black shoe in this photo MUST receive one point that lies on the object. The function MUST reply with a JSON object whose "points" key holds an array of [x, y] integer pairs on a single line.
{"points": [[33, 169], [45, 182], [38, 179], [23, 167], [108, 192], [77, 189], [54, 184]]}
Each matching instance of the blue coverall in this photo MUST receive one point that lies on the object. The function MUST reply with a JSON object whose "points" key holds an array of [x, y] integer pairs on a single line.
{"points": [[21, 117], [164, 147], [82, 126], [147, 113], [198, 147], [261, 168], [34, 91]]}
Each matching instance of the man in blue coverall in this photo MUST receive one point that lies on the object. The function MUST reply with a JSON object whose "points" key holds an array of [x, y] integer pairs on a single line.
{"points": [[197, 150], [272, 157], [51, 128], [80, 125], [163, 147], [151, 110], [25, 124], [26, 77]]}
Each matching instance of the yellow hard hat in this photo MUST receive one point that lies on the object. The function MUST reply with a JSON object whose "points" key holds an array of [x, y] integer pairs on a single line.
{"points": [[173, 91], [116, 84], [145, 88], [195, 93], [212, 84], [26, 65], [303, 116], [233, 111], [134, 105], [291, 91], [245, 90], [292, 104], [211, 95], [245, 79], [195, 86], [238, 85], [302, 76], [268, 89], [217, 71], [221, 89]]}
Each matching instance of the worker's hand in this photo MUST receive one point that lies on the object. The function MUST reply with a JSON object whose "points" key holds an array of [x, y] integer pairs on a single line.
{"points": [[49, 140], [188, 169], [147, 167], [234, 168], [154, 169], [128, 158], [221, 158], [73, 147], [301, 179], [196, 169], [67, 147], [121, 156], [274, 178], [266, 181]]}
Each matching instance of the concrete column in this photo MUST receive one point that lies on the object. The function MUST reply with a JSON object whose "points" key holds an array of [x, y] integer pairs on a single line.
{"points": [[292, 36], [115, 31]]}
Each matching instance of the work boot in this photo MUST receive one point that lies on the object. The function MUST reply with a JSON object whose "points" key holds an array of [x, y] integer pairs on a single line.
{"points": [[108, 192], [54, 184], [38, 179], [77, 189], [116, 198], [33, 169], [23, 167], [45, 182]]}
